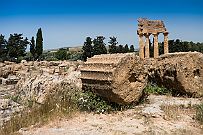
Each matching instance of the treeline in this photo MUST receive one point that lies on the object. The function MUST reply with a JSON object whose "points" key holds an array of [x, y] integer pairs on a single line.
{"points": [[178, 46], [64, 54], [98, 46], [182, 46], [14, 48]]}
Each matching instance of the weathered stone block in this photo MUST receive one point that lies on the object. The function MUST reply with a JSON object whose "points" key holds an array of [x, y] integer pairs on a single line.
{"points": [[115, 77], [121, 78]]}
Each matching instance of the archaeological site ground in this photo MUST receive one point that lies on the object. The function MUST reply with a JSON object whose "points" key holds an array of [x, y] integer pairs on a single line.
{"points": [[109, 94]]}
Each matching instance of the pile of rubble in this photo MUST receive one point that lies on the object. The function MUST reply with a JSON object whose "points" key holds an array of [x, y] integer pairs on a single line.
{"points": [[32, 81]]}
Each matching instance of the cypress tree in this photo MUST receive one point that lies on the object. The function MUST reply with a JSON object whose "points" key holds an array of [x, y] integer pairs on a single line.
{"points": [[39, 43], [32, 47], [120, 49], [132, 48], [126, 49]]}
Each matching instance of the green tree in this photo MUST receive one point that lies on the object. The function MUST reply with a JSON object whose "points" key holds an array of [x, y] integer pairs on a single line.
{"points": [[33, 48], [185, 45], [87, 49], [161, 48], [99, 46], [120, 49], [201, 47], [171, 46], [61, 54], [3, 50], [179, 46], [126, 49], [112, 47], [151, 48], [16, 46], [39, 43], [132, 48]]}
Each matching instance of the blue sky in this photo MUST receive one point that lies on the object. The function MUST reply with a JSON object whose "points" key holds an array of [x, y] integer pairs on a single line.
{"points": [[68, 22]]}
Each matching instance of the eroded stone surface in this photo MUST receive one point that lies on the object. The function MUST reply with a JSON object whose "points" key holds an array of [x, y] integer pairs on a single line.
{"points": [[179, 71], [32, 81], [113, 77], [121, 78]]}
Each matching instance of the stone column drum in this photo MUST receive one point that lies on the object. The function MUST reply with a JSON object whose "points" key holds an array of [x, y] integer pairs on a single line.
{"points": [[156, 46], [166, 43], [147, 46], [141, 43]]}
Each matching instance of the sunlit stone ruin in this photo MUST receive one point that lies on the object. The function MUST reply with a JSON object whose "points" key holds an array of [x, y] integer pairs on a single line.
{"points": [[122, 77], [146, 28]]}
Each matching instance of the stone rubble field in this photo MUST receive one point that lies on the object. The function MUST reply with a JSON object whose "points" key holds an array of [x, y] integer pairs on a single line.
{"points": [[33, 81]]}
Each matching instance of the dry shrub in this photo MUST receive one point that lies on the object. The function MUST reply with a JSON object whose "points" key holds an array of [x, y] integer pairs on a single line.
{"points": [[175, 112], [172, 112], [199, 113]]}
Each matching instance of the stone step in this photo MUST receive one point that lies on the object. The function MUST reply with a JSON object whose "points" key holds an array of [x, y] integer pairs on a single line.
{"points": [[101, 82], [103, 60], [93, 69], [102, 65], [118, 55], [96, 86], [109, 58], [98, 67], [91, 75]]}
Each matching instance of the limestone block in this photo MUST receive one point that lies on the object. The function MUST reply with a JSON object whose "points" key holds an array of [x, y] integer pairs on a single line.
{"points": [[115, 77]]}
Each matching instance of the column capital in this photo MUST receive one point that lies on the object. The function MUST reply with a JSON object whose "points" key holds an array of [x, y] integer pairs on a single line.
{"points": [[147, 35], [140, 35], [155, 34], [166, 33]]}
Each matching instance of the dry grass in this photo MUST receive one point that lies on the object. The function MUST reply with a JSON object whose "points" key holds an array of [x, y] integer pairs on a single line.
{"points": [[171, 112], [175, 112], [199, 113], [58, 104]]}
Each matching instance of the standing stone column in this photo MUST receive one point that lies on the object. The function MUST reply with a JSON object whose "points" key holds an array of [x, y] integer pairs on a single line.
{"points": [[165, 42], [147, 46], [141, 44], [156, 46]]}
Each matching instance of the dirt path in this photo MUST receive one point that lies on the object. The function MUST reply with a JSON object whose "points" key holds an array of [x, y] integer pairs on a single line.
{"points": [[161, 115]]}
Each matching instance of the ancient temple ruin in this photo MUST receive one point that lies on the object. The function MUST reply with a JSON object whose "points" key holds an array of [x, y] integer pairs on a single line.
{"points": [[147, 28], [122, 77]]}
